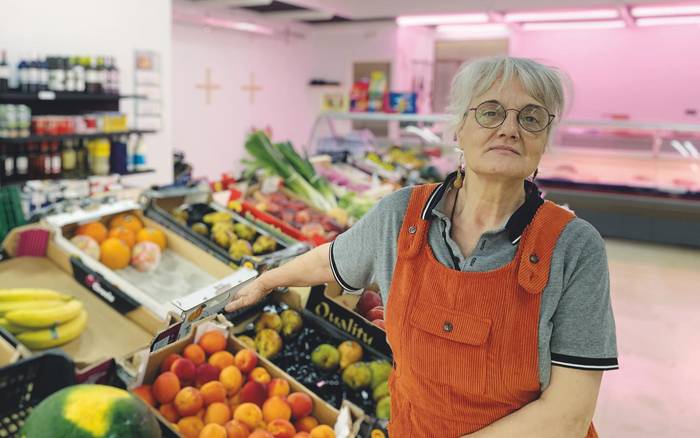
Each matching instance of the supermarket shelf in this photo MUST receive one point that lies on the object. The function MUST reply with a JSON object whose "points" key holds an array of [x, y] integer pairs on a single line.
{"points": [[387, 117], [138, 172], [18, 97], [40, 138]]}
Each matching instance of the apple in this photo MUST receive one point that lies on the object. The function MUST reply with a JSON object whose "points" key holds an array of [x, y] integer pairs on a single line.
{"points": [[369, 300], [375, 313]]}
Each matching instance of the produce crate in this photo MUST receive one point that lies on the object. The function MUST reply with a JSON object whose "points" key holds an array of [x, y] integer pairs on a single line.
{"points": [[11, 214], [117, 325], [196, 204], [10, 349], [183, 269]]}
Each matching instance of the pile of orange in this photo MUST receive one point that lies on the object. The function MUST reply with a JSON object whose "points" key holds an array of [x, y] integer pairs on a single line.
{"points": [[116, 243], [208, 392]]}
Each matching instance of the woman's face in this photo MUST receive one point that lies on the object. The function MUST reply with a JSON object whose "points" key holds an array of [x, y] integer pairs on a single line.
{"points": [[508, 151]]}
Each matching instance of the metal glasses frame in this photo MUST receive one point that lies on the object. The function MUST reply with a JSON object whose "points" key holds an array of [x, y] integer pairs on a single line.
{"points": [[518, 111]]}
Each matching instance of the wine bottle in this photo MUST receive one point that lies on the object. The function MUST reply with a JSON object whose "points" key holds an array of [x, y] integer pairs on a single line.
{"points": [[101, 75], [34, 74], [115, 76], [92, 78], [43, 74], [4, 73], [23, 74]]}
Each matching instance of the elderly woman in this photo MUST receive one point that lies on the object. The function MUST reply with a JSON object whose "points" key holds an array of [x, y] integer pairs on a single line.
{"points": [[498, 303]]}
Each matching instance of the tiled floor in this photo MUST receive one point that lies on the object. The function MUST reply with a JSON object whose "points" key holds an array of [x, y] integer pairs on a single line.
{"points": [[656, 299]]}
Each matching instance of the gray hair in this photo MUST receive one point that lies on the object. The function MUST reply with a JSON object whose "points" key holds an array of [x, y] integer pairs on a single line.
{"points": [[474, 78]]}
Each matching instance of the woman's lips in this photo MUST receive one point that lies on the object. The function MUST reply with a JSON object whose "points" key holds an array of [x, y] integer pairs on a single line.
{"points": [[504, 149]]}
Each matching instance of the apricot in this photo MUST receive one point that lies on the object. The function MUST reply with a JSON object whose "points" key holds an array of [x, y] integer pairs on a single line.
{"points": [[232, 379], [306, 424], [276, 408], [169, 412], [281, 428], [166, 387], [213, 430], [236, 429], [218, 413], [246, 360], [168, 362], [322, 431], [249, 414], [301, 403], [145, 393], [206, 373], [260, 433], [195, 353], [213, 392], [302, 435], [253, 392], [212, 341], [188, 401], [184, 369], [222, 359], [260, 375], [278, 387], [190, 426]]}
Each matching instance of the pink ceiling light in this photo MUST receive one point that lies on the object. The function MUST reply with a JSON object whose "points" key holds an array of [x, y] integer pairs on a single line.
{"points": [[667, 21], [573, 25], [473, 31], [433, 20], [664, 11], [592, 14], [238, 25]]}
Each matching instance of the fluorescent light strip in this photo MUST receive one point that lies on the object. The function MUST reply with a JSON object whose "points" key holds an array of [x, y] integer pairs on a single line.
{"points": [[679, 148], [238, 25], [593, 14], [667, 21], [432, 20], [573, 25], [691, 148], [475, 31], [664, 11]]}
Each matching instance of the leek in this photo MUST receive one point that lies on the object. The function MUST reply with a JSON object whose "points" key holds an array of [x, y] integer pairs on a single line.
{"points": [[306, 169]]}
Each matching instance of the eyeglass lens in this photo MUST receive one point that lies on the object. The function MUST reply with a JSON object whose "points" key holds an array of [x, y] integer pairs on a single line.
{"points": [[532, 118]]}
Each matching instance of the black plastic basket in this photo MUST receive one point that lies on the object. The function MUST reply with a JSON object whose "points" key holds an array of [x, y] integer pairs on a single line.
{"points": [[24, 384]]}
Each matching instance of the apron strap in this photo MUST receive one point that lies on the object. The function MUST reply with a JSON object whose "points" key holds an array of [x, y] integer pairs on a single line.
{"points": [[539, 240], [414, 230]]}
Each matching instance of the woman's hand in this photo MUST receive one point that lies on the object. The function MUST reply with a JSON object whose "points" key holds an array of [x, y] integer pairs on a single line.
{"points": [[248, 295]]}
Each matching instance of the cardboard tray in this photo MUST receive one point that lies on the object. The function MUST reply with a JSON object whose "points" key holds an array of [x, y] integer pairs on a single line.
{"points": [[184, 267], [113, 329], [159, 205]]}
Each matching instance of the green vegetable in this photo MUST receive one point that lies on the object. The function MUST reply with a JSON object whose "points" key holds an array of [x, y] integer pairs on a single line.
{"points": [[259, 146], [306, 169]]}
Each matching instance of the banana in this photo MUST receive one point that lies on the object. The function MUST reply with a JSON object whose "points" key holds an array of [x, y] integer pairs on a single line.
{"points": [[13, 329], [7, 306], [21, 294], [40, 318], [52, 337]]}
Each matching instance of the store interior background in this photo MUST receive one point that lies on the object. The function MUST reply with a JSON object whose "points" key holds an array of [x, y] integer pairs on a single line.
{"points": [[649, 74]]}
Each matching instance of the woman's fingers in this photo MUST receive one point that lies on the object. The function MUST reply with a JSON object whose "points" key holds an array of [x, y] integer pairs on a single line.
{"points": [[245, 297]]}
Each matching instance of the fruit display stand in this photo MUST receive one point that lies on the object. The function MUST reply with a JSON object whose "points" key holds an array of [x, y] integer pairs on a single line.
{"points": [[183, 267], [194, 215], [367, 305], [10, 349], [115, 323]]}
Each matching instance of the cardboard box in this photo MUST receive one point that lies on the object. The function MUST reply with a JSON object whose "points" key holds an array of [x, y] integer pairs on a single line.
{"points": [[184, 267], [115, 328], [8, 351]]}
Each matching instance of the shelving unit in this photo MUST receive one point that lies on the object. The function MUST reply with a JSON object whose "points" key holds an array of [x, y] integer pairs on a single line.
{"points": [[41, 138]]}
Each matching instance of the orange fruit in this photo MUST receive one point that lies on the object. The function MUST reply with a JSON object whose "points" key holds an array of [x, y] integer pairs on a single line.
{"points": [[222, 359], [212, 342], [152, 235], [188, 401], [169, 412], [128, 220], [213, 392], [218, 413], [213, 430], [195, 353], [124, 234], [190, 427], [231, 378], [276, 408], [114, 253], [96, 230]]}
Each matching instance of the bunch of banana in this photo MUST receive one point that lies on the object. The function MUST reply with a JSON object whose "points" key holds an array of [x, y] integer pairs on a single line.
{"points": [[41, 318]]}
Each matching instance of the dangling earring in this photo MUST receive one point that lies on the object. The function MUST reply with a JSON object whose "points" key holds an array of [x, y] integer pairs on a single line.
{"points": [[459, 179]]}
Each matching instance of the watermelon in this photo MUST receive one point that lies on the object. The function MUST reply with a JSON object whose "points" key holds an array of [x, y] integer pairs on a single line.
{"points": [[91, 411]]}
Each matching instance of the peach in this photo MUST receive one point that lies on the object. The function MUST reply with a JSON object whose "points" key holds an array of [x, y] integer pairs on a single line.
{"points": [[166, 387], [212, 392], [249, 414], [169, 412], [213, 430], [195, 353], [212, 341], [322, 431], [188, 401], [276, 407], [232, 379], [206, 373], [185, 369], [302, 435], [235, 401], [253, 392], [301, 404], [168, 362], [190, 426], [260, 433], [306, 424], [260, 375], [281, 428], [222, 359], [236, 429], [218, 413], [145, 393], [246, 360], [278, 387]]}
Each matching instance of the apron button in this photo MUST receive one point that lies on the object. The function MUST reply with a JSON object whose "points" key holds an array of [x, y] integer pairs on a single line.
{"points": [[412, 229], [534, 258], [447, 326]]}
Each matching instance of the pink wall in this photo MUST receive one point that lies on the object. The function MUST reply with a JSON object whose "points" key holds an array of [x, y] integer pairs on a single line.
{"points": [[652, 74]]}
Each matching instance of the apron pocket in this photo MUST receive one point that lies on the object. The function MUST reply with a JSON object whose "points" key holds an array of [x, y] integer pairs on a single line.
{"points": [[449, 348]]}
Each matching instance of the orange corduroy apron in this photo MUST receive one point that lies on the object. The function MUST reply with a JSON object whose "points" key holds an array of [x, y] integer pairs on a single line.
{"points": [[465, 343]]}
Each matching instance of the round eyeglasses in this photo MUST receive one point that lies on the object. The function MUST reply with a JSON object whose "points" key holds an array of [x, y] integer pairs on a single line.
{"points": [[532, 118]]}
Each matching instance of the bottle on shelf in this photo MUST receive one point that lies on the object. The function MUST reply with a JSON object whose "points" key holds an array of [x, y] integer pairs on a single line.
{"points": [[140, 154], [69, 159], [34, 74], [55, 159], [114, 73], [69, 74], [7, 164], [100, 157], [43, 73], [92, 76], [23, 75], [4, 73], [22, 163], [78, 71], [101, 75]]}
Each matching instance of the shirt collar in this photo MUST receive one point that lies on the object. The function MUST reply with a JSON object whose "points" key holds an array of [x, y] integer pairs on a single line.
{"points": [[518, 221]]}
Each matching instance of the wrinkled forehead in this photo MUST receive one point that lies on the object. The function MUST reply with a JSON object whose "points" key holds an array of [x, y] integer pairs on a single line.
{"points": [[511, 93]]}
